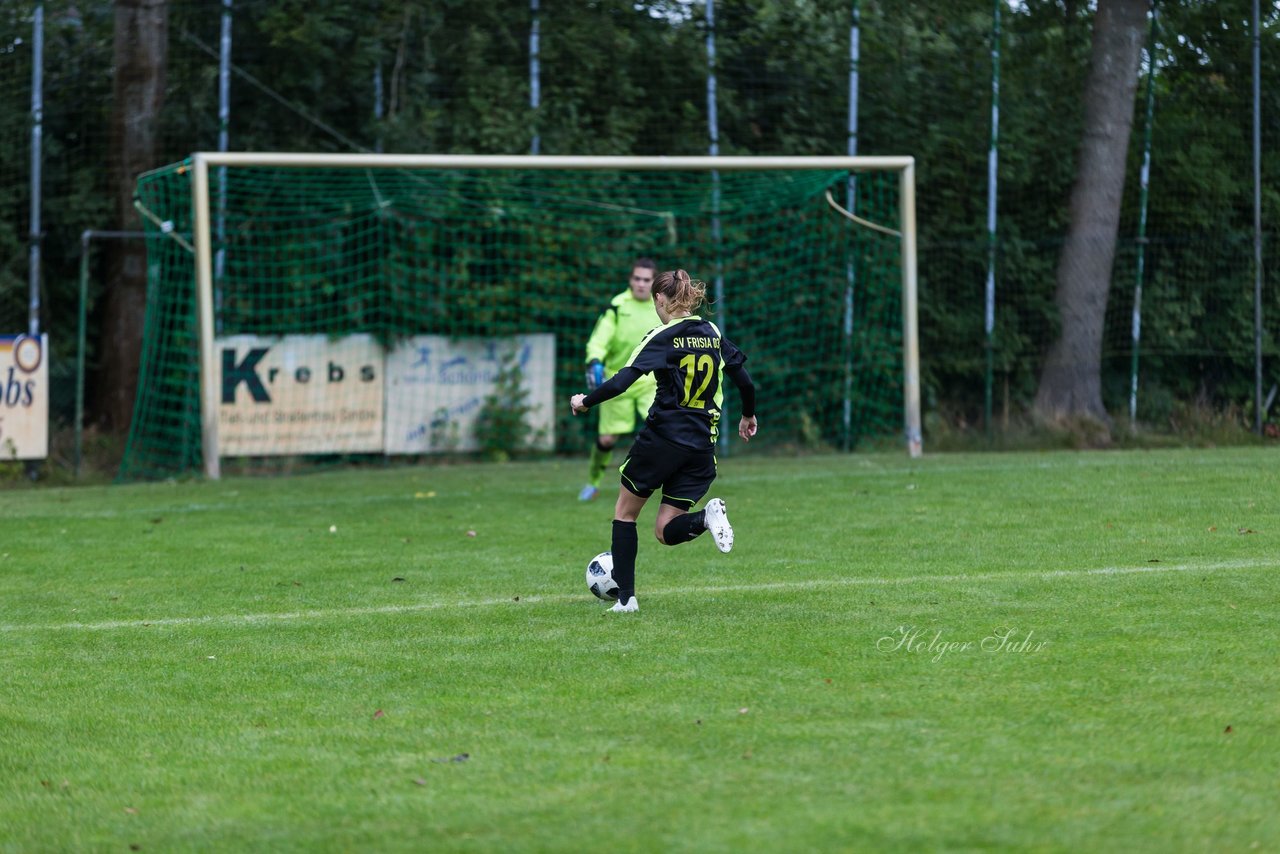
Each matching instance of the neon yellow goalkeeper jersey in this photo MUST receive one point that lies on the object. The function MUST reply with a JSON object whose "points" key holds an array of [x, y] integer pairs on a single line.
{"points": [[619, 330]]}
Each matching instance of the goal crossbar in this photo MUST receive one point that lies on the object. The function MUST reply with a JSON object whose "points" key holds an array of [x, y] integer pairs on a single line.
{"points": [[202, 217], [547, 161]]}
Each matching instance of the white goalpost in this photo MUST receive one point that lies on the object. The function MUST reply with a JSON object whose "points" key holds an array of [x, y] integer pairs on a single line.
{"points": [[204, 213]]}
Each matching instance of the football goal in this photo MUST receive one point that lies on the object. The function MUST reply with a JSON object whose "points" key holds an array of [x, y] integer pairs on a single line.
{"points": [[313, 306]]}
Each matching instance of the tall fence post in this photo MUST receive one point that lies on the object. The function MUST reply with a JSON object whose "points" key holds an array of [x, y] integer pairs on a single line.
{"points": [[1257, 223], [851, 195], [81, 344], [1144, 178], [378, 108], [224, 124], [713, 149], [535, 74], [989, 307], [37, 144]]}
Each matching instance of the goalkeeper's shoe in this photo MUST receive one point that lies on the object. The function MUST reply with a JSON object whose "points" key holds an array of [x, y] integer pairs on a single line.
{"points": [[718, 524], [588, 492], [618, 608]]}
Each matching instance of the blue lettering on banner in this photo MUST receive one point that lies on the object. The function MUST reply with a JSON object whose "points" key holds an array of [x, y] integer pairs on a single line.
{"points": [[444, 416], [460, 371], [464, 370], [15, 392]]}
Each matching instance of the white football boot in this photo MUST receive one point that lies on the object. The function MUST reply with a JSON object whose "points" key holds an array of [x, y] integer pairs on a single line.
{"points": [[718, 524], [631, 607]]}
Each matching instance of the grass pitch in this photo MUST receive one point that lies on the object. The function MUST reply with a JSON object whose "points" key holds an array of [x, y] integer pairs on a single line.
{"points": [[1054, 651]]}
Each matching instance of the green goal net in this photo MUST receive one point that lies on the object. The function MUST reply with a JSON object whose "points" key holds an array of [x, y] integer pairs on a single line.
{"points": [[376, 312]]}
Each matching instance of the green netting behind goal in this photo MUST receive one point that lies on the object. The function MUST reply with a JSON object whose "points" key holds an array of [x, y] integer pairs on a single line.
{"points": [[448, 268]]}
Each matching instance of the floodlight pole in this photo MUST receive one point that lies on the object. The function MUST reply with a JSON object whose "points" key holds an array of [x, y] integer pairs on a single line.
{"points": [[210, 384]]}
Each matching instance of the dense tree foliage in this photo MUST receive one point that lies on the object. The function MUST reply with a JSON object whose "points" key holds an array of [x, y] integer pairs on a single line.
{"points": [[629, 77]]}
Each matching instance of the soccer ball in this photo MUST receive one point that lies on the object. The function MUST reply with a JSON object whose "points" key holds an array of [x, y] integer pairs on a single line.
{"points": [[600, 577]]}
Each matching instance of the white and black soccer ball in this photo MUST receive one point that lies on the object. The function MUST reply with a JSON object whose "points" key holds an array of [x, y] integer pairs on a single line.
{"points": [[600, 577]]}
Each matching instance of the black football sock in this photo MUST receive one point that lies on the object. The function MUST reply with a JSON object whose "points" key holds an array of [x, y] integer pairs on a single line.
{"points": [[684, 528], [625, 546]]}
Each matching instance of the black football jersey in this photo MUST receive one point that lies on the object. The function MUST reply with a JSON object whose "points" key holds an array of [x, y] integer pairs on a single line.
{"points": [[687, 357]]}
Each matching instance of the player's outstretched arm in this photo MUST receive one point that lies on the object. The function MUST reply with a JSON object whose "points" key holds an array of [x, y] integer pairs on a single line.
{"points": [[617, 384], [747, 427]]}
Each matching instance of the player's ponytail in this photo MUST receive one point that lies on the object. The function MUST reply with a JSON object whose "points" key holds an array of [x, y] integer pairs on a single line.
{"points": [[682, 292]]}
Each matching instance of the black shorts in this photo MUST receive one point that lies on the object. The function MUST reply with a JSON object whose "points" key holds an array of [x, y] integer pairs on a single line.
{"points": [[684, 476]]}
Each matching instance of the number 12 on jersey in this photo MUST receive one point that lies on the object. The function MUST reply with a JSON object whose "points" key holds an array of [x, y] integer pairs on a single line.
{"points": [[701, 369]]}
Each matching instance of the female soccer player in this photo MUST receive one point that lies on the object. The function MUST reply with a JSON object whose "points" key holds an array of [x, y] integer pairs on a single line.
{"points": [[675, 452]]}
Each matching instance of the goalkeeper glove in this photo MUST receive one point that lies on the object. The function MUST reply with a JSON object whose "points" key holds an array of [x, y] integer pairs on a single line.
{"points": [[595, 374]]}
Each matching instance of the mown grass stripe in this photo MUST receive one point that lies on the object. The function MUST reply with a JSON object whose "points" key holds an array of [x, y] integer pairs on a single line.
{"points": [[825, 583]]}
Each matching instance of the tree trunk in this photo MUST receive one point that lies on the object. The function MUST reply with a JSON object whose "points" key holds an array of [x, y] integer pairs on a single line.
{"points": [[1071, 382], [140, 56]]}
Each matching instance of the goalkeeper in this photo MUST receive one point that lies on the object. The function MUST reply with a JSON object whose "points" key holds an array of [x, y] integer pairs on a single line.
{"points": [[628, 317]]}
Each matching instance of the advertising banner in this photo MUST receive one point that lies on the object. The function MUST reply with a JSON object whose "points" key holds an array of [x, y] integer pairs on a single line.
{"points": [[437, 387], [24, 397], [299, 394]]}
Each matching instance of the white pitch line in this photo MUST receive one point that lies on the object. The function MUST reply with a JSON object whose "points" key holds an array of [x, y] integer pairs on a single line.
{"points": [[852, 581]]}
